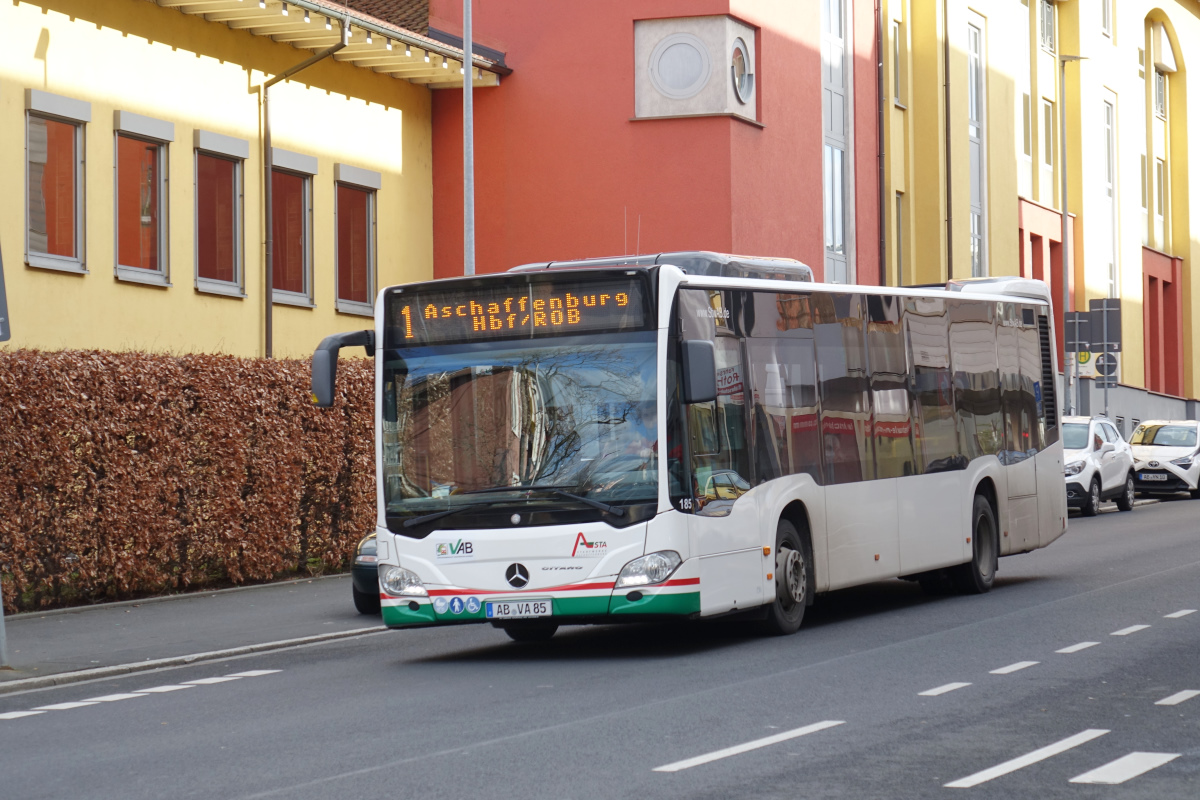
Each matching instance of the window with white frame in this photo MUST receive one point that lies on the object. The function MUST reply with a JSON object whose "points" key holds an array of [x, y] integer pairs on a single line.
{"points": [[1046, 28], [899, 238], [54, 211], [140, 169], [219, 213], [835, 83], [976, 112], [1160, 93], [1108, 203], [1106, 17], [291, 227], [1160, 202], [356, 259]]}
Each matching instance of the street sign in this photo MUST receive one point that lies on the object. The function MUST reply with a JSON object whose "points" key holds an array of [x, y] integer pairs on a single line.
{"points": [[5, 327], [1077, 327], [1106, 364], [1106, 325]]}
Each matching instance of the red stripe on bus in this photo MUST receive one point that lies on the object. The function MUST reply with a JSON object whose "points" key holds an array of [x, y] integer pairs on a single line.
{"points": [[580, 587]]}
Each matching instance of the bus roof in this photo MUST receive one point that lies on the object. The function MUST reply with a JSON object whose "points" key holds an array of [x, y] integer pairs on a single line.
{"points": [[694, 262]]}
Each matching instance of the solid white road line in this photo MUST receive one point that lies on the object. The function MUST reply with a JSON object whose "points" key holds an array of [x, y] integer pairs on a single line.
{"points": [[19, 714], [949, 687], [1177, 698], [161, 689], [748, 746], [1125, 767], [109, 698], [63, 706], [1015, 667], [1181, 613], [1129, 630], [207, 681], [1075, 648], [254, 673], [1021, 762]]}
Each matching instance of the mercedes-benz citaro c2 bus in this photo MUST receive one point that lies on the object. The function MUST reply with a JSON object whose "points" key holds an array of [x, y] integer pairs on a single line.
{"points": [[693, 435]]}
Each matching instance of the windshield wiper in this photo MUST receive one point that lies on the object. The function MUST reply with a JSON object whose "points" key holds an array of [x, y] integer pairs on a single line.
{"points": [[414, 521], [616, 511]]}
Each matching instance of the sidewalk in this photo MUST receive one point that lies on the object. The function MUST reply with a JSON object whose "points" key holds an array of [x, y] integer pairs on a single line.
{"points": [[58, 646]]}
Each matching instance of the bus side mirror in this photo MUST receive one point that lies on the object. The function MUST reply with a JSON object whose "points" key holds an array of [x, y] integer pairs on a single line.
{"points": [[324, 362], [699, 371]]}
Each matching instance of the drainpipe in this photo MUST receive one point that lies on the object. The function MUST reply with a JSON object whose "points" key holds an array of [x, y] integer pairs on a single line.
{"points": [[949, 187], [882, 203], [268, 193]]}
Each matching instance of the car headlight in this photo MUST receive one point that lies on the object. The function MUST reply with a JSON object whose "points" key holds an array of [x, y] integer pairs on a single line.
{"points": [[649, 569], [1074, 468], [1184, 463], [366, 552], [401, 582]]}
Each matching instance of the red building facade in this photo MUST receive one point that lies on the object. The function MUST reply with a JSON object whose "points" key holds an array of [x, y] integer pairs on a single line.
{"points": [[587, 149]]}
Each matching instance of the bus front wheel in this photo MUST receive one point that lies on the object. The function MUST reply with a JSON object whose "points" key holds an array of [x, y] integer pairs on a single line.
{"points": [[978, 574], [786, 612]]}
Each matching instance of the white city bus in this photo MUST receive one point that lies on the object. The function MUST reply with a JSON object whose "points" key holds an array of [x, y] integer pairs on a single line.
{"points": [[693, 435]]}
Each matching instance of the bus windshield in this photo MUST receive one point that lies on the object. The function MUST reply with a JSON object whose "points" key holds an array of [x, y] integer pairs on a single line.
{"points": [[463, 424], [1165, 435]]}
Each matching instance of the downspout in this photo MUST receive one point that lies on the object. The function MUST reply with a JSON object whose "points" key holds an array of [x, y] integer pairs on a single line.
{"points": [[879, 89], [268, 193], [949, 181]]}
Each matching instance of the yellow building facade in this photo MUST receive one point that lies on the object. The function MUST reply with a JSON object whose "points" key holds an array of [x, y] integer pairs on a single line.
{"points": [[974, 140], [132, 170]]}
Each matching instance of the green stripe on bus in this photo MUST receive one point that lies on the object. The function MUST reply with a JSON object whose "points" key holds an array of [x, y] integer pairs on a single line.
{"points": [[684, 603], [402, 615]]}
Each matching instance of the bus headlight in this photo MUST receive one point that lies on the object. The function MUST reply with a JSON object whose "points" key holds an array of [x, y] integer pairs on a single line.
{"points": [[1074, 468], [649, 569], [401, 582]]}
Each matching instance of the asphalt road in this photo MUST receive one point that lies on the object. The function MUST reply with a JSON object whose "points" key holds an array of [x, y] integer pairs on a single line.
{"points": [[840, 710]]}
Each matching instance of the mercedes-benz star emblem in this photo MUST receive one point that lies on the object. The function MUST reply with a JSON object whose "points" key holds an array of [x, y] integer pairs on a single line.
{"points": [[517, 575]]}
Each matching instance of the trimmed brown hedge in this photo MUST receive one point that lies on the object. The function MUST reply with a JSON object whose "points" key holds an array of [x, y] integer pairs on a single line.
{"points": [[128, 474]]}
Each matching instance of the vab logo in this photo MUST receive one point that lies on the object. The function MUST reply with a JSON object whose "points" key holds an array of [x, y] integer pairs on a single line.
{"points": [[585, 549], [459, 549]]}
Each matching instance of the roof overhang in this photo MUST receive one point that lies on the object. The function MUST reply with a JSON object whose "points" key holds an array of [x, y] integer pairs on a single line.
{"points": [[373, 44]]}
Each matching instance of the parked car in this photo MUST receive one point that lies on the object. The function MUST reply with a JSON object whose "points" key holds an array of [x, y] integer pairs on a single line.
{"points": [[1098, 465], [364, 576], [1165, 454]]}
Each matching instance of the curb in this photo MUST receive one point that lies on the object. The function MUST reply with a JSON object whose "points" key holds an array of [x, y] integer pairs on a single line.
{"points": [[45, 681], [50, 612]]}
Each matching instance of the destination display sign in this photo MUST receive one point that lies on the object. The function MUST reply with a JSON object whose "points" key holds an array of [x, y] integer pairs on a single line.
{"points": [[510, 310]]}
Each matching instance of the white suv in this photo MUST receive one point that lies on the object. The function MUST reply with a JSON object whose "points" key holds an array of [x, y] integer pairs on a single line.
{"points": [[1165, 454], [1098, 465]]}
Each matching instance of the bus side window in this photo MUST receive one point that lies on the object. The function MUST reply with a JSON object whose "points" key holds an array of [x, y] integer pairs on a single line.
{"points": [[1008, 352], [976, 379], [1031, 375], [891, 421], [935, 432]]}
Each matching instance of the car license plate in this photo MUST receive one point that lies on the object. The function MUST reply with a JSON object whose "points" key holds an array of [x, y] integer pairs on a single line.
{"points": [[1152, 476], [518, 609]]}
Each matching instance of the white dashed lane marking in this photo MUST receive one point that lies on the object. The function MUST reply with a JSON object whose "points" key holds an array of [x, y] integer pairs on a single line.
{"points": [[949, 687], [1181, 613], [112, 698], [1020, 665], [1041, 754], [1075, 648], [1129, 630], [1178, 697], [748, 746], [1125, 767]]}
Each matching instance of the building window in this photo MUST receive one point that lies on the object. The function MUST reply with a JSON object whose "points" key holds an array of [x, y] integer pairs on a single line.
{"points": [[1145, 185], [1160, 203], [1110, 187], [1160, 93], [1047, 25], [218, 223], [355, 249], [54, 208], [1141, 63], [1106, 17], [1047, 133], [141, 207], [291, 223], [899, 238], [976, 104], [835, 83], [898, 62], [1026, 127]]}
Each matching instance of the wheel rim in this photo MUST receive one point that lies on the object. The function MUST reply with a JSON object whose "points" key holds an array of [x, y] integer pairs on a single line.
{"points": [[791, 577], [1095, 495], [1129, 491]]}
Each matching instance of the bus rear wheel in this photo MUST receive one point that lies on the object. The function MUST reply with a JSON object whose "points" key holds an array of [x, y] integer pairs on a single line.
{"points": [[978, 574], [786, 612], [530, 631]]}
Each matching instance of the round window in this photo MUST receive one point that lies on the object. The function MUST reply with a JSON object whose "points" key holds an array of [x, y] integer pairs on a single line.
{"points": [[743, 78], [680, 66]]}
